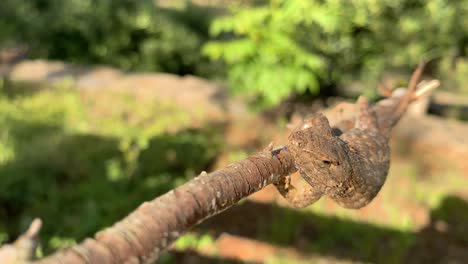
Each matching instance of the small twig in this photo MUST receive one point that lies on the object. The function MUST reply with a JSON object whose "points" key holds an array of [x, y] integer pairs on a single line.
{"points": [[24, 248], [425, 87]]}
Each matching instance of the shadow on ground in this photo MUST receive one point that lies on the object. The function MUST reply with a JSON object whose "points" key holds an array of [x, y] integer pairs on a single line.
{"points": [[443, 240], [72, 183], [194, 258]]}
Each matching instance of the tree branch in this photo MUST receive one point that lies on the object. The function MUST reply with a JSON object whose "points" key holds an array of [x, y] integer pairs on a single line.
{"points": [[142, 235]]}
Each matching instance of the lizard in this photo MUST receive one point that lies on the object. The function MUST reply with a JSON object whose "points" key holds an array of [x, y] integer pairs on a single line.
{"points": [[349, 167]]}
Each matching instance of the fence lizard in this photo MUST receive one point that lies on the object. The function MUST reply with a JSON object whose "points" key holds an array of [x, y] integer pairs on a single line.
{"points": [[350, 167]]}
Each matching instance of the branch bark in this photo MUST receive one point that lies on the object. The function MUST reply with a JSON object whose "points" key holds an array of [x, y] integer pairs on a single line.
{"points": [[142, 235]]}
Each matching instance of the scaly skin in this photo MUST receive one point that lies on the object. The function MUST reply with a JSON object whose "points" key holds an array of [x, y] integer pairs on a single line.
{"points": [[369, 153], [350, 168]]}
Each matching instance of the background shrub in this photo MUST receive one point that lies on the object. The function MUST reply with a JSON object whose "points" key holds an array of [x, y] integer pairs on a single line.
{"points": [[293, 46], [132, 35]]}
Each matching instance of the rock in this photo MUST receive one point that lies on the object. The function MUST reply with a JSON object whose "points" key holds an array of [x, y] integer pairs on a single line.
{"points": [[100, 77], [41, 71]]}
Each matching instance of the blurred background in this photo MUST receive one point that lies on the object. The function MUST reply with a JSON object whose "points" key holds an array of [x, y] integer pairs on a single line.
{"points": [[105, 104]]}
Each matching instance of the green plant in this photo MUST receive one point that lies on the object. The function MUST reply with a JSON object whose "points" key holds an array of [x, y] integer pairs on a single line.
{"points": [[266, 59], [295, 46], [194, 242], [132, 35]]}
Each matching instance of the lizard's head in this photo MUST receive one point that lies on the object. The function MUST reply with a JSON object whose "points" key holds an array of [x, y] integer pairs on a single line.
{"points": [[320, 156]]}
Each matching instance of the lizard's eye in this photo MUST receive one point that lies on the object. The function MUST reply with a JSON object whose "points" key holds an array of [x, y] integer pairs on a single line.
{"points": [[327, 162], [299, 144]]}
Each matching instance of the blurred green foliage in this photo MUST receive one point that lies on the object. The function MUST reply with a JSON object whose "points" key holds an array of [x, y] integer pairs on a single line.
{"points": [[194, 241], [272, 50], [293, 46], [132, 35], [81, 166]]}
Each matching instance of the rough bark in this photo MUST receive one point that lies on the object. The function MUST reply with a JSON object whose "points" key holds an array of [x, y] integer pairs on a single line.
{"points": [[142, 235]]}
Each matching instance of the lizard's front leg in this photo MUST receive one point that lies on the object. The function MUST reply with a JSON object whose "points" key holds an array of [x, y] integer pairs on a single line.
{"points": [[298, 198]]}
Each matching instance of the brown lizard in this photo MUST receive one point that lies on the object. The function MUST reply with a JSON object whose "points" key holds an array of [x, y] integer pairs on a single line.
{"points": [[349, 167]]}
